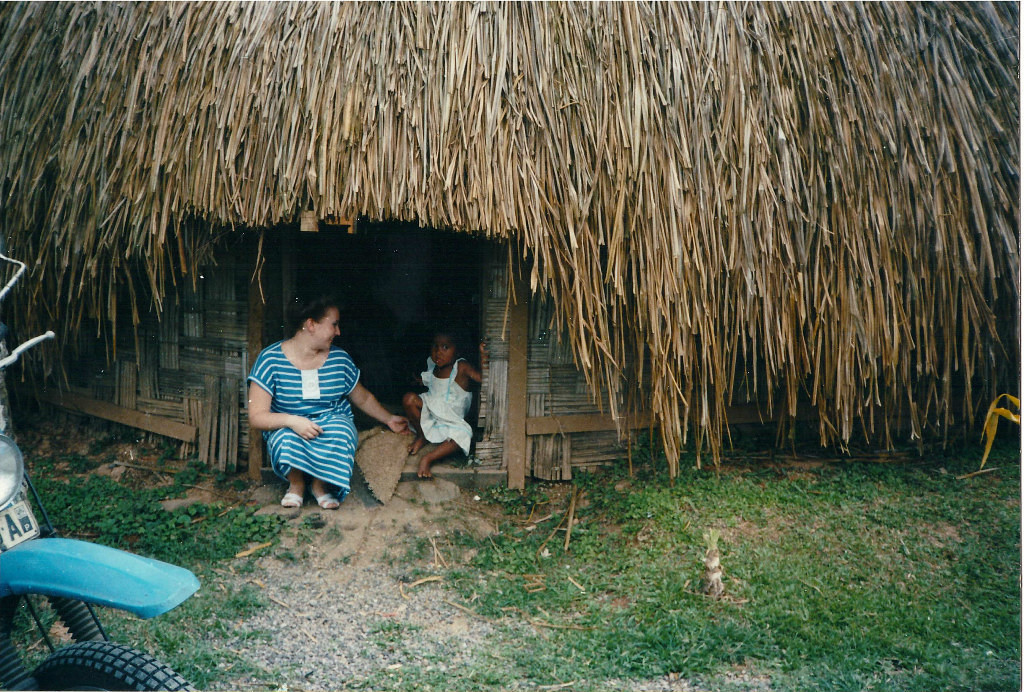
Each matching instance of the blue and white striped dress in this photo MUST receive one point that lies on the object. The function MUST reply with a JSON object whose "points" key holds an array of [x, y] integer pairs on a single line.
{"points": [[330, 455]]}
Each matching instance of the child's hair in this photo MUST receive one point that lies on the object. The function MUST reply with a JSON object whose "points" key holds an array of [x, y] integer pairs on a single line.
{"points": [[453, 333], [302, 308]]}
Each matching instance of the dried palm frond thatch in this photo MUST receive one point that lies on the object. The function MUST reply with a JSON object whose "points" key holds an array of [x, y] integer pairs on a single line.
{"points": [[723, 199]]}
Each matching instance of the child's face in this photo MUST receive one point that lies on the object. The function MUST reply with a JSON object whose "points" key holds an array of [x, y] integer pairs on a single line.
{"points": [[442, 351]]}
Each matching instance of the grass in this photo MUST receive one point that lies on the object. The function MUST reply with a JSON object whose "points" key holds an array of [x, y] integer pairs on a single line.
{"points": [[851, 576], [202, 537], [840, 576]]}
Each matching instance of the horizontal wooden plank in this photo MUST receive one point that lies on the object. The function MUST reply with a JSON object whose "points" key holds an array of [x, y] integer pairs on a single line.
{"points": [[593, 422], [118, 414], [596, 422]]}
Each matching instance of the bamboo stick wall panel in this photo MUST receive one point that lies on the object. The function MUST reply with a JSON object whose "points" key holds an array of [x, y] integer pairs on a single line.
{"points": [[189, 367], [555, 386]]}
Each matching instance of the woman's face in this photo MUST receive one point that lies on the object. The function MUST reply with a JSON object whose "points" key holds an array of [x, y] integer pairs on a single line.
{"points": [[324, 331], [442, 352]]}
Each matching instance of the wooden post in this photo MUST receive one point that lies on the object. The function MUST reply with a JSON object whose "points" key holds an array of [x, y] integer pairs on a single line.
{"points": [[515, 421], [253, 348]]}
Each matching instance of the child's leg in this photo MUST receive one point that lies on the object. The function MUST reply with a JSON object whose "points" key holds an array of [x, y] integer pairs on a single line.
{"points": [[413, 406], [446, 448]]}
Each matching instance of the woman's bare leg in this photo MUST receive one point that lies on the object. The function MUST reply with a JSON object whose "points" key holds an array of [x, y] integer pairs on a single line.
{"points": [[297, 482], [446, 448]]}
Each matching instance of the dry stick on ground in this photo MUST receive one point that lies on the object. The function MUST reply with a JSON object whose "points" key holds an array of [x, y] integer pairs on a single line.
{"points": [[424, 580], [541, 623], [572, 513], [551, 535], [470, 611], [438, 557], [977, 473], [255, 548]]}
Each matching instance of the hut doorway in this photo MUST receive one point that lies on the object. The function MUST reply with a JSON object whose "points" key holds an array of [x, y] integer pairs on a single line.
{"points": [[397, 283]]}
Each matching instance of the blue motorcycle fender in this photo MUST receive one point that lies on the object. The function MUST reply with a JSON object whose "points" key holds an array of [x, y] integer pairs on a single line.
{"points": [[95, 574]]}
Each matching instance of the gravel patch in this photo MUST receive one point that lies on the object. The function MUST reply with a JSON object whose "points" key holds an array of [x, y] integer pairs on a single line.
{"points": [[329, 629], [344, 601], [349, 605]]}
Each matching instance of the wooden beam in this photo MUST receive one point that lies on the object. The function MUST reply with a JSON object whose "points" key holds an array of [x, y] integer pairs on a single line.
{"points": [[117, 414], [515, 416], [596, 422], [254, 345], [589, 422]]}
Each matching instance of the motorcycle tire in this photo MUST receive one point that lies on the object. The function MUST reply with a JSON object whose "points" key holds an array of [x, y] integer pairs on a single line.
{"points": [[105, 666]]}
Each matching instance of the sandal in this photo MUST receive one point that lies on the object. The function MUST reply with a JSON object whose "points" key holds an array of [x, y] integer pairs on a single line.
{"points": [[291, 501], [327, 501]]}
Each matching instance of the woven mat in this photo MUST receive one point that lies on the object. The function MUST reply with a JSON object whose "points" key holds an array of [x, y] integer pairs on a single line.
{"points": [[381, 456]]}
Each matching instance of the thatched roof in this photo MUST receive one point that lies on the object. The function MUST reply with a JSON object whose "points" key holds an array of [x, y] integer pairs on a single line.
{"points": [[816, 198]]}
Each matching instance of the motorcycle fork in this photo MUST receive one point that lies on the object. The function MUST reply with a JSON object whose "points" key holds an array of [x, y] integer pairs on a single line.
{"points": [[78, 617], [13, 674]]}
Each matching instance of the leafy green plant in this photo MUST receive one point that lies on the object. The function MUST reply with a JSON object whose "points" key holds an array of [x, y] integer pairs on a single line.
{"points": [[78, 463], [101, 510]]}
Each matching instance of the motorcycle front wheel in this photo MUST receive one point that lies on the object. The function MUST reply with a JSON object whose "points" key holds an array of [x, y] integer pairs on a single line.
{"points": [[105, 666]]}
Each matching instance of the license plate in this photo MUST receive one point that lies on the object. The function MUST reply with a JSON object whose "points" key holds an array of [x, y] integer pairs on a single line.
{"points": [[17, 523]]}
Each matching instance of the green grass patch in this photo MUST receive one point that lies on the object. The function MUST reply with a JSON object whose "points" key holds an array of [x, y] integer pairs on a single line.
{"points": [[850, 576], [840, 576], [202, 537], [102, 510]]}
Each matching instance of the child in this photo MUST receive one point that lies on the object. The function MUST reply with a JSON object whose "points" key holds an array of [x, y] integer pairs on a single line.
{"points": [[439, 414]]}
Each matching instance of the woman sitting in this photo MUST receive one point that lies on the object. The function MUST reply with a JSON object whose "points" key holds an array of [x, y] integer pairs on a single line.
{"points": [[299, 395]]}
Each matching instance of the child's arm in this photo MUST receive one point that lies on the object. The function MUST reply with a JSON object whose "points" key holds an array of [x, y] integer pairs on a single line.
{"points": [[468, 372]]}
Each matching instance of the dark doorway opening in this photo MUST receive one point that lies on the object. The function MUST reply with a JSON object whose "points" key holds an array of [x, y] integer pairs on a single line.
{"points": [[397, 283]]}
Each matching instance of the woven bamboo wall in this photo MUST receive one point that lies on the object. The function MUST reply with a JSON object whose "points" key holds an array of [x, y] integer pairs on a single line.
{"points": [[188, 364], [555, 386]]}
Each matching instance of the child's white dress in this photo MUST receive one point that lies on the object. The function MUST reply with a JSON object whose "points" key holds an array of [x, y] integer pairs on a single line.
{"points": [[445, 405]]}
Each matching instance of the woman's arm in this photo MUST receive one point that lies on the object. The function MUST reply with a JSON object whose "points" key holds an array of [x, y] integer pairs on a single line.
{"points": [[368, 404], [261, 417]]}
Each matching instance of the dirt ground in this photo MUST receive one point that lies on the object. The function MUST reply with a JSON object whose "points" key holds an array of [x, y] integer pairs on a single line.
{"points": [[360, 554], [367, 528]]}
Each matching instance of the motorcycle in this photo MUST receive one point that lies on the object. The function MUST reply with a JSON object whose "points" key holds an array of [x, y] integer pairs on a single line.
{"points": [[74, 576]]}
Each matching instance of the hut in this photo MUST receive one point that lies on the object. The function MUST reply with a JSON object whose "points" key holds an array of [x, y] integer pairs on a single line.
{"points": [[676, 215]]}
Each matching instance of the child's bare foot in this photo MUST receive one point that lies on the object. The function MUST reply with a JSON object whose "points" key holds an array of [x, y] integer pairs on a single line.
{"points": [[417, 445], [446, 448], [424, 470]]}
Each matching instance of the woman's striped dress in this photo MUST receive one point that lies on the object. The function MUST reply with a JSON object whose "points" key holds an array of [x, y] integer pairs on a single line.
{"points": [[320, 395]]}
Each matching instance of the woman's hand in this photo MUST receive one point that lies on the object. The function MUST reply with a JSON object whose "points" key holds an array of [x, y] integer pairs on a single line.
{"points": [[361, 397], [398, 424], [305, 428]]}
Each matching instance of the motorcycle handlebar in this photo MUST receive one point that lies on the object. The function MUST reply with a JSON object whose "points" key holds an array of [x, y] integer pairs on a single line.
{"points": [[24, 347]]}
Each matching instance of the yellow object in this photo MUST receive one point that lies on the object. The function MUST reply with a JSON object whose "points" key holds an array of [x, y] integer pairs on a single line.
{"points": [[992, 420]]}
